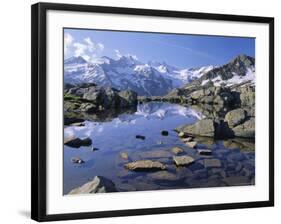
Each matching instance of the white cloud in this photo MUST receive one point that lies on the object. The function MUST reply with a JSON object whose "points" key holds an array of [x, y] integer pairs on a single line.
{"points": [[68, 39], [100, 46], [88, 49], [118, 54], [79, 49]]}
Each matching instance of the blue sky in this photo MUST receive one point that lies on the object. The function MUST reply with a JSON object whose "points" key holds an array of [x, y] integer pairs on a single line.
{"points": [[183, 51]]}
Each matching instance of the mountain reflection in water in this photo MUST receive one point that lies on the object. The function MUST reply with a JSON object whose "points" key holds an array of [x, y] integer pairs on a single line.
{"points": [[116, 132]]}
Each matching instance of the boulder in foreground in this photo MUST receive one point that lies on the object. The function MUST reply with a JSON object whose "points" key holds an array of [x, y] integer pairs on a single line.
{"points": [[98, 185], [235, 117], [245, 130], [145, 165], [203, 127]]}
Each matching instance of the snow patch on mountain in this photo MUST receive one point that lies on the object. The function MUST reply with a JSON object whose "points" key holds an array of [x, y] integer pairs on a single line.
{"points": [[236, 79], [127, 72], [153, 78]]}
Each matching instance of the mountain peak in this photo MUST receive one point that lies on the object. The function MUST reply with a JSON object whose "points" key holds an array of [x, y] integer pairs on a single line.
{"points": [[75, 60], [244, 60]]}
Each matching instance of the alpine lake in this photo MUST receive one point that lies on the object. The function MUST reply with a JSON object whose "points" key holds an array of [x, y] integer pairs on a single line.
{"points": [[147, 132]]}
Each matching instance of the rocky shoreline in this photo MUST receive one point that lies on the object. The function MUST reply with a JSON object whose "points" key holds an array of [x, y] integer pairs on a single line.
{"points": [[229, 111], [229, 116], [91, 98]]}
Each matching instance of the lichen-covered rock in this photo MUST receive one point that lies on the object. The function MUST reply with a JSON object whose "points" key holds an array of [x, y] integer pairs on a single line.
{"points": [[128, 98], [235, 117], [196, 95], [247, 96], [153, 154], [212, 163], [203, 127], [124, 155], [88, 107], [92, 98], [75, 142], [163, 175], [191, 144], [245, 130], [183, 160], [145, 165], [177, 150], [98, 185]]}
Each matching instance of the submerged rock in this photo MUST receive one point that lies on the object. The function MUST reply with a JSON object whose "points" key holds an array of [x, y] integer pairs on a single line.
{"points": [[183, 160], [124, 155], [140, 137], [212, 163], [205, 152], [163, 175], [94, 148], [177, 150], [188, 139], [236, 180], [182, 134], [191, 144], [76, 160], [164, 133], [126, 187], [145, 165], [98, 185], [74, 142], [153, 154]]}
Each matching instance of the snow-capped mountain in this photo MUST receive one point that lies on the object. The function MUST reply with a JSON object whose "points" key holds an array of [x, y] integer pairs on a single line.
{"points": [[239, 70], [126, 72]]}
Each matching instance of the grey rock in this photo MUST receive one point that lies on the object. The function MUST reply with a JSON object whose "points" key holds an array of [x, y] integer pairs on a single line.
{"points": [[98, 185], [140, 137], [74, 142], [191, 144], [203, 127], [236, 180], [126, 187], [145, 165], [183, 160], [163, 175], [124, 155], [196, 95], [177, 150], [235, 117], [212, 163], [88, 107], [245, 130], [77, 160], [154, 154], [128, 98], [205, 152], [247, 96]]}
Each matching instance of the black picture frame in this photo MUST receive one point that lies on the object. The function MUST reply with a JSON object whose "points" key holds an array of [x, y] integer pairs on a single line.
{"points": [[39, 122]]}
